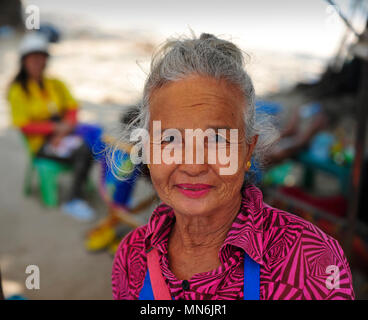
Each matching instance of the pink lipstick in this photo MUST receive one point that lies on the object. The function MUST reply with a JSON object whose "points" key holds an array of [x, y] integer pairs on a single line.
{"points": [[194, 190]]}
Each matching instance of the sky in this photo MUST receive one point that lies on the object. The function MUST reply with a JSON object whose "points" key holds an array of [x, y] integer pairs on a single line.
{"points": [[302, 26]]}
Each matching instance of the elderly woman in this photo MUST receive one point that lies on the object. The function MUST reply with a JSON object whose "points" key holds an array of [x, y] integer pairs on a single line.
{"points": [[212, 237]]}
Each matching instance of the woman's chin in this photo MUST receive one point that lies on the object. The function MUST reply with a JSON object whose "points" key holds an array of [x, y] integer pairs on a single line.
{"points": [[193, 206]]}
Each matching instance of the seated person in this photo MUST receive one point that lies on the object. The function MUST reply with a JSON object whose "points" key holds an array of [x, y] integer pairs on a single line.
{"points": [[333, 98], [46, 113]]}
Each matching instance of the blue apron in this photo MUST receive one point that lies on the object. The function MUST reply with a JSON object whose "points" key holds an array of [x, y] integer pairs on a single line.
{"points": [[251, 281]]}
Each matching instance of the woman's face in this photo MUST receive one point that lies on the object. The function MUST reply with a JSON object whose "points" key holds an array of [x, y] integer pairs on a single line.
{"points": [[35, 64], [199, 103]]}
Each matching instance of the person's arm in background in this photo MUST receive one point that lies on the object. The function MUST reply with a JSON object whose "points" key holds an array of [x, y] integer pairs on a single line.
{"points": [[69, 120], [71, 116]]}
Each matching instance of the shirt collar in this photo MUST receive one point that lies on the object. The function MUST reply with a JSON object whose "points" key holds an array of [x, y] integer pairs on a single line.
{"points": [[246, 231]]}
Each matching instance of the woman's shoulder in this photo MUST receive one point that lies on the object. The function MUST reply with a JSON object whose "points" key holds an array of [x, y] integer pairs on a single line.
{"points": [[282, 224], [299, 245], [134, 238], [15, 88], [129, 264], [277, 219], [134, 242], [54, 81], [131, 245]]}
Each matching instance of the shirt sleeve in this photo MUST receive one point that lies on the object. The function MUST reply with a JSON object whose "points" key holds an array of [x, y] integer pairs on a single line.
{"points": [[128, 281], [20, 116], [120, 288], [17, 101]]}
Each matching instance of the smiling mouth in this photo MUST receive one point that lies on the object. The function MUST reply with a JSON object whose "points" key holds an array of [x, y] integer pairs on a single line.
{"points": [[194, 191], [194, 187]]}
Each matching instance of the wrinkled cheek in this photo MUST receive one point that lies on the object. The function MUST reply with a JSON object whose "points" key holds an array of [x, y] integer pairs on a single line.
{"points": [[231, 183], [157, 182], [160, 183], [232, 187], [230, 163]]}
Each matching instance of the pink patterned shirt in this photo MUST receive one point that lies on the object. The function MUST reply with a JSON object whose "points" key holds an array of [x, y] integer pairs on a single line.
{"points": [[293, 254]]}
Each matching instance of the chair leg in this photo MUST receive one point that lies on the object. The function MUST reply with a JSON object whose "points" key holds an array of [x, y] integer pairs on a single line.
{"points": [[48, 186], [90, 186]]}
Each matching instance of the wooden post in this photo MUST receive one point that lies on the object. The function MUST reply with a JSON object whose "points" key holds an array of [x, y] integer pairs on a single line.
{"points": [[360, 143]]}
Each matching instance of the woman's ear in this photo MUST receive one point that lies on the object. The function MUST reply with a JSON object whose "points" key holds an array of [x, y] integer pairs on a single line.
{"points": [[251, 147], [248, 156]]}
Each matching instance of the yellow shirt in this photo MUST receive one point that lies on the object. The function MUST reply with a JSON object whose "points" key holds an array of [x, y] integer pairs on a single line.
{"points": [[39, 105]]}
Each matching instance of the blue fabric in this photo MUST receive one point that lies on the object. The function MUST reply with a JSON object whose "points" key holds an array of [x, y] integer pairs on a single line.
{"points": [[92, 135], [256, 171], [120, 191], [146, 292], [268, 107], [251, 282], [251, 279]]}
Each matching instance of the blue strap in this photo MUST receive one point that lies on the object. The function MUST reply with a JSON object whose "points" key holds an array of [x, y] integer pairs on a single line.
{"points": [[251, 281], [251, 278], [146, 292]]}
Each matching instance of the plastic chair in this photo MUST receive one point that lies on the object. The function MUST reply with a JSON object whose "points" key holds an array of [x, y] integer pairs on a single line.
{"points": [[48, 172]]}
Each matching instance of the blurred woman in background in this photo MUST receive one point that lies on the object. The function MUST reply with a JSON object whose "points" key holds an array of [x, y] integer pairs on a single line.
{"points": [[46, 113]]}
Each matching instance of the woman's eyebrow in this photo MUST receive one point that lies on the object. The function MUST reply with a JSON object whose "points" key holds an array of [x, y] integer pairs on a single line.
{"points": [[219, 127]]}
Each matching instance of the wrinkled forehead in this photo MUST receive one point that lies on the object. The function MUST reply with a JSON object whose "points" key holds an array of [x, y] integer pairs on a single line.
{"points": [[198, 102]]}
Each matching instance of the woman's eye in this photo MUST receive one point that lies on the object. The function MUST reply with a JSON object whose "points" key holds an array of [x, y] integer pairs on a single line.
{"points": [[220, 138], [217, 138], [168, 139]]}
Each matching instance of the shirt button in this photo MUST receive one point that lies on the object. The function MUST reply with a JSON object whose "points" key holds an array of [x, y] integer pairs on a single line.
{"points": [[185, 285]]}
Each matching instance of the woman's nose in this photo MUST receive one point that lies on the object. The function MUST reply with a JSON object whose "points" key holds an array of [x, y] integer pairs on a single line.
{"points": [[193, 170], [194, 159]]}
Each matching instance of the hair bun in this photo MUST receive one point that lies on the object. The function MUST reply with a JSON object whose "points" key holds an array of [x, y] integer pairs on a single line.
{"points": [[205, 36]]}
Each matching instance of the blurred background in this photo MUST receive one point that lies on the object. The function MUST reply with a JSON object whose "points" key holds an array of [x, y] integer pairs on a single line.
{"points": [[307, 61]]}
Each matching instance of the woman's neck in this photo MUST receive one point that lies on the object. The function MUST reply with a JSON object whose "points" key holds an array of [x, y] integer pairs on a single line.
{"points": [[38, 79], [194, 235], [195, 241]]}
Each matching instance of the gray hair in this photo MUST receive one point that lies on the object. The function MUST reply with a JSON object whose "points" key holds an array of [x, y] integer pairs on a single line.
{"points": [[179, 58]]}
